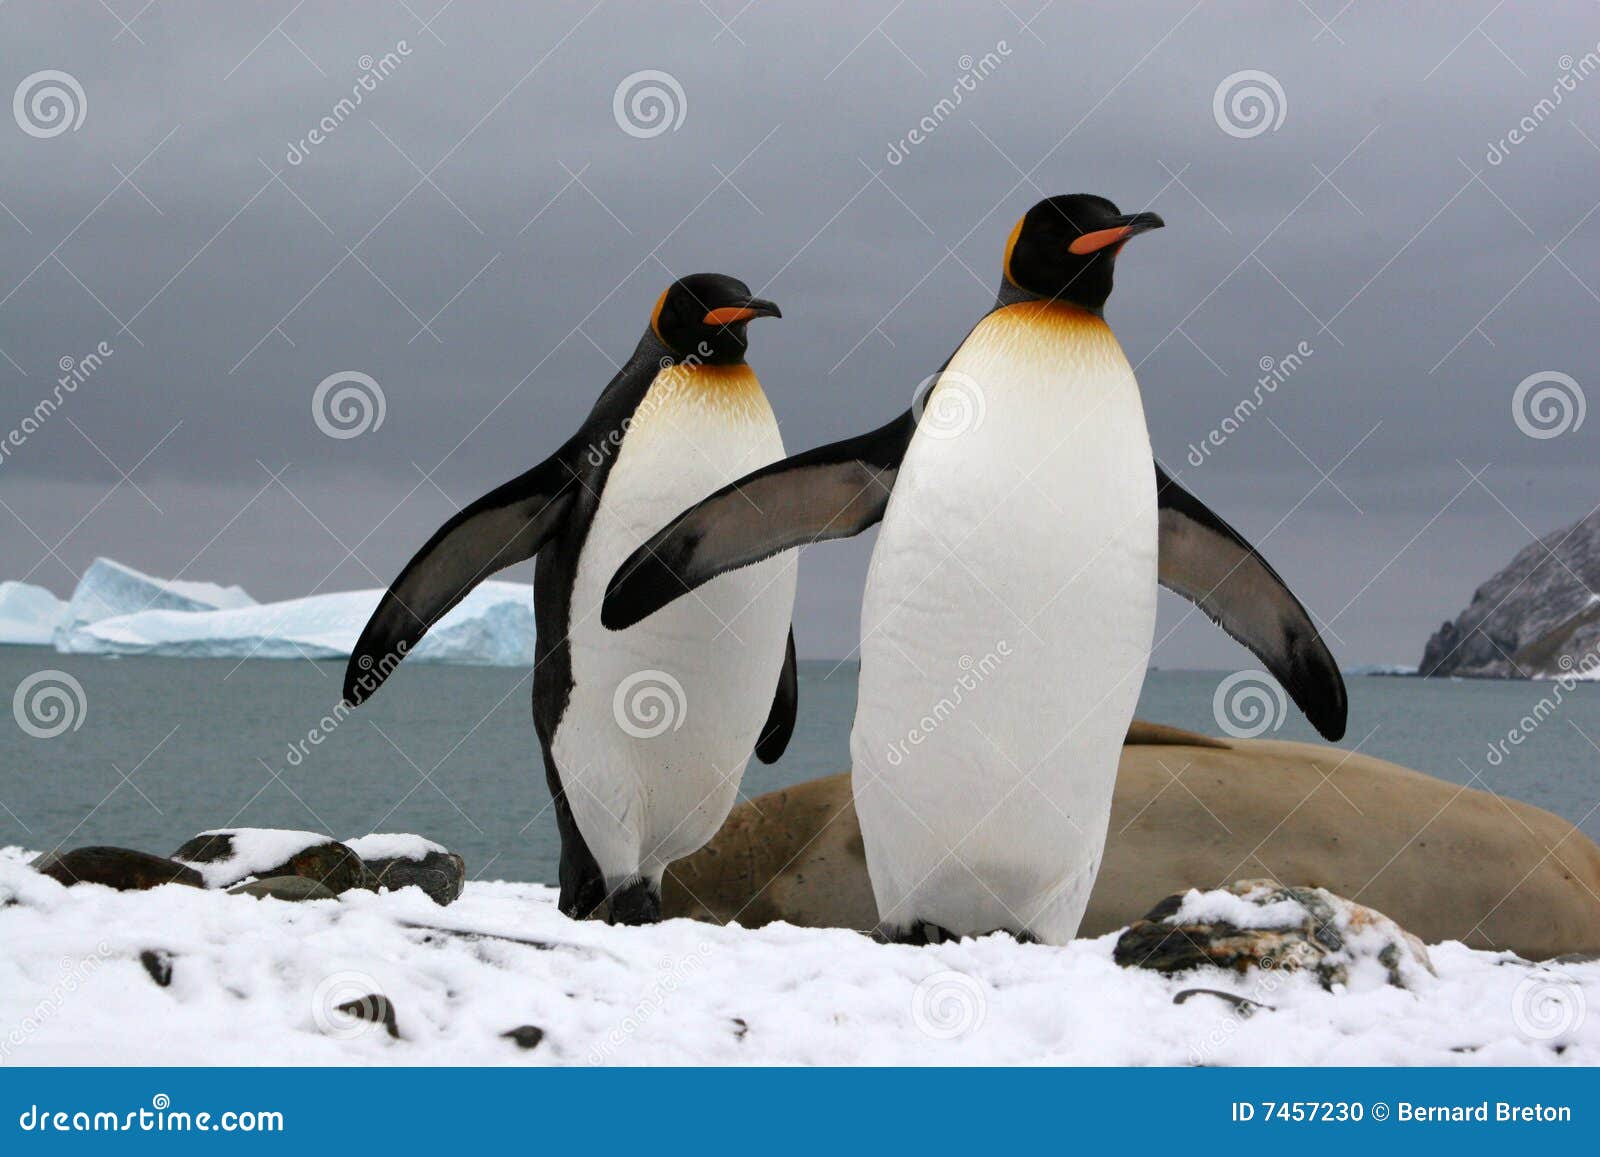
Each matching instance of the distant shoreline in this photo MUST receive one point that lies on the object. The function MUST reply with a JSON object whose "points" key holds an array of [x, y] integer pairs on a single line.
{"points": [[1380, 671]]}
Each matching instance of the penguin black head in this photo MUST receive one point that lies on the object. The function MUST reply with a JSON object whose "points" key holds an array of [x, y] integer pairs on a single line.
{"points": [[703, 316], [1065, 248]]}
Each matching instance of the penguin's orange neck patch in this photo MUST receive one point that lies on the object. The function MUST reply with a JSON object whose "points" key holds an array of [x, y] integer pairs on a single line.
{"points": [[1071, 320], [715, 380]]}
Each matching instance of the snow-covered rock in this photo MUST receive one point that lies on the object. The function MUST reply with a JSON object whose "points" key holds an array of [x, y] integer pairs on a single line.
{"points": [[403, 861], [110, 589], [263, 983], [291, 888], [227, 856], [121, 868], [1259, 926], [394, 846], [492, 626], [29, 615]]}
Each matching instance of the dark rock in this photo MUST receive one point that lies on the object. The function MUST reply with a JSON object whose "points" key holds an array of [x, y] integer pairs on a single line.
{"points": [[328, 862], [431, 931], [526, 1036], [284, 888], [1535, 618], [1575, 958], [374, 1008], [441, 875], [158, 965], [120, 868], [1246, 1006], [207, 849], [1309, 929]]}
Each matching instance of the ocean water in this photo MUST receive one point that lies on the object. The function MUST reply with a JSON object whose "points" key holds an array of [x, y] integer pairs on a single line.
{"points": [[164, 748]]}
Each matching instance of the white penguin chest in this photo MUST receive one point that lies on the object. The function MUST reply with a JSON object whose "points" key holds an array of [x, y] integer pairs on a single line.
{"points": [[1007, 623], [662, 716], [1029, 478]]}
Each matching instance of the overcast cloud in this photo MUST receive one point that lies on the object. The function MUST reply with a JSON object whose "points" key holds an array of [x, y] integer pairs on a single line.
{"points": [[484, 239]]}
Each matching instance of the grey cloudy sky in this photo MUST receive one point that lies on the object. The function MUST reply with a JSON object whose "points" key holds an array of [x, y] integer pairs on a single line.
{"points": [[485, 240]]}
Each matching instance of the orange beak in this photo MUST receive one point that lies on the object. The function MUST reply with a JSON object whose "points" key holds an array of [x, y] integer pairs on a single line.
{"points": [[733, 314], [729, 314], [1116, 235], [1098, 240]]}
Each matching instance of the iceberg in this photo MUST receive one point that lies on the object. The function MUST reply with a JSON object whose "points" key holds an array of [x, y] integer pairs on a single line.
{"points": [[117, 610], [109, 589], [29, 615], [492, 626], [1380, 669]]}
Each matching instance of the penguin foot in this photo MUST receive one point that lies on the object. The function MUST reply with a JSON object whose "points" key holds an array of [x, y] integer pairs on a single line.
{"points": [[583, 895], [636, 902], [918, 932], [924, 932]]}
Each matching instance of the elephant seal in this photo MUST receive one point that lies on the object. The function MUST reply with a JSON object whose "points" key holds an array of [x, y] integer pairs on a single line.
{"points": [[1446, 862]]}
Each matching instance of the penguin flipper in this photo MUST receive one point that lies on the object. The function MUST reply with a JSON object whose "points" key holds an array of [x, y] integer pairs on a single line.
{"points": [[1208, 562], [834, 491], [508, 525], [778, 728]]}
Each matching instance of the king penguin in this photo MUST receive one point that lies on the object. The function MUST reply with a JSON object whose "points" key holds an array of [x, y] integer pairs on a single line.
{"points": [[1009, 608], [645, 733]]}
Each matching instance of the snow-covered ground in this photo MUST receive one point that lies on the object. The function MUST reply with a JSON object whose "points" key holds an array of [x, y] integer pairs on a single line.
{"points": [[260, 982], [116, 610]]}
